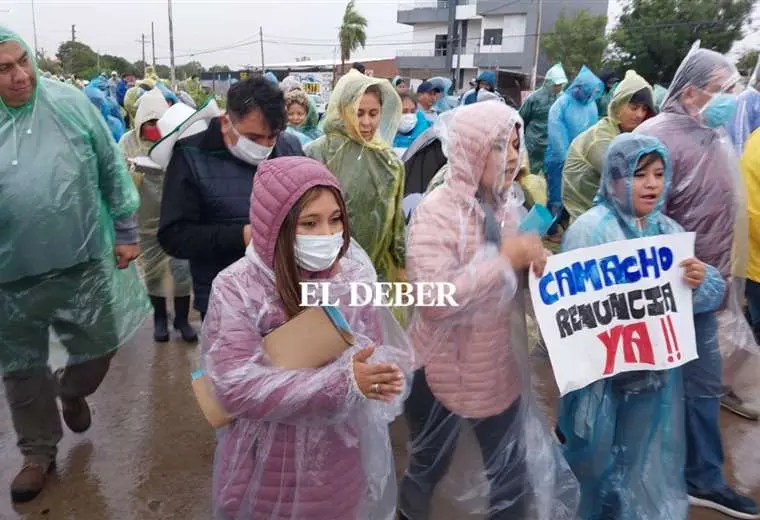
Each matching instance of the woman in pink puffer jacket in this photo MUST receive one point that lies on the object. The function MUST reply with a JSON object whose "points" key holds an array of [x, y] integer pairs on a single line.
{"points": [[473, 369], [303, 444]]}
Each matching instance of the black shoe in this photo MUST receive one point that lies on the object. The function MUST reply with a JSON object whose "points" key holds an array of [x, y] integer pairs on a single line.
{"points": [[160, 320], [76, 414], [726, 501], [181, 324]]}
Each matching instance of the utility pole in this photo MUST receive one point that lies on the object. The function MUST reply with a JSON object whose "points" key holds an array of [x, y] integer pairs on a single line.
{"points": [[261, 42], [73, 32], [460, 36], [450, 39], [142, 42], [153, 43], [171, 45], [534, 73], [34, 27]]}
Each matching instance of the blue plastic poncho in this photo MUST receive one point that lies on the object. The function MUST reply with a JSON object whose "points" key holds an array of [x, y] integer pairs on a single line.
{"points": [[64, 182], [97, 92], [444, 102], [747, 116], [574, 111], [624, 435], [472, 95]]}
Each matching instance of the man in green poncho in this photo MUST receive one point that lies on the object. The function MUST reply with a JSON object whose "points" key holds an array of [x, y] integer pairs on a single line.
{"points": [[535, 114], [631, 104], [69, 235], [610, 79]]}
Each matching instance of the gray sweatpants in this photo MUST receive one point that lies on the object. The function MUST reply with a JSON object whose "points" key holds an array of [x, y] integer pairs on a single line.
{"points": [[31, 396]]}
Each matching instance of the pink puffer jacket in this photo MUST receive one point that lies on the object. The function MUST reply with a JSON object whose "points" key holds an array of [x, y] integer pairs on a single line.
{"points": [[466, 350], [296, 449]]}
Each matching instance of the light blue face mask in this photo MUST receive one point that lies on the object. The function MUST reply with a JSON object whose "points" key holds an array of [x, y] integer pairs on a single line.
{"points": [[719, 110]]}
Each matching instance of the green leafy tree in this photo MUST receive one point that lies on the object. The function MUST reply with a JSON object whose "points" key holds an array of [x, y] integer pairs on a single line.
{"points": [[747, 62], [220, 68], [78, 58], [47, 64], [653, 36], [576, 41], [353, 33]]}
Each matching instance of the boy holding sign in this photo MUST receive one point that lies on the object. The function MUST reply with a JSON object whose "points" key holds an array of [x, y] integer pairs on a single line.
{"points": [[625, 430]]}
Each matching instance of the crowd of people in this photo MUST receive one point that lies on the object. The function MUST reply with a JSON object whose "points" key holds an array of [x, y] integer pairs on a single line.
{"points": [[105, 193]]}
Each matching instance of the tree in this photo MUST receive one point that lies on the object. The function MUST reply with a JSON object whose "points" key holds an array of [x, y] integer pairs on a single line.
{"points": [[747, 62], [77, 58], [577, 41], [353, 33], [653, 36]]}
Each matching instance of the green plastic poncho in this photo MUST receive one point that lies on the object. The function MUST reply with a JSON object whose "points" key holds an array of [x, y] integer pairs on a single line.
{"points": [[63, 183], [659, 95], [583, 168], [370, 172], [535, 114]]}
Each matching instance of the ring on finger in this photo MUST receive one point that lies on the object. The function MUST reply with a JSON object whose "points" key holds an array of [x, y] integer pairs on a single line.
{"points": [[376, 388]]}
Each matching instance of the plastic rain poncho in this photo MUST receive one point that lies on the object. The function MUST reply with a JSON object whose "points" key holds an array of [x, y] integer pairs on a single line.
{"points": [[63, 184], [303, 444], [133, 94], [583, 167], [150, 182], [97, 92], [535, 114], [625, 438], [308, 131], [747, 116], [709, 198], [444, 102], [659, 95], [574, 112], [473, 392], [370, 172]]}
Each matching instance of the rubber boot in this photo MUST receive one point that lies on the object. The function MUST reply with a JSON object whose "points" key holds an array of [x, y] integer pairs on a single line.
{"points": [[181, 311], [160, 320]]}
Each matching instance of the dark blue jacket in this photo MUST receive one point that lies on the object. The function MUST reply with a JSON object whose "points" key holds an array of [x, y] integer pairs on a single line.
{"points": [[206, 202]]}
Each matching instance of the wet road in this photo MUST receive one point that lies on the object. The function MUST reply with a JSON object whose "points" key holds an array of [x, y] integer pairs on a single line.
{"points": [[149, 452]]}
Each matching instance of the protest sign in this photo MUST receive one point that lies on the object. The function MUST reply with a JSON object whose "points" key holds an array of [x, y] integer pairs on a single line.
{"points": [[618, 307]]}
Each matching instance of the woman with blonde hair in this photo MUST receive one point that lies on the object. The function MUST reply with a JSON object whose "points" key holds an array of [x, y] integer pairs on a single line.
{"points": [[361, 123]]}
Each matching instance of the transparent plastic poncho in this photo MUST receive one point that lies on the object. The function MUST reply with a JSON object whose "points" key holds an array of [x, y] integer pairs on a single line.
{"points": [[747, 116], [479, 445], [583, 168], [303, 443], [154, 262], [370, 172], [64, 183], [708, 194], [624, 436]]}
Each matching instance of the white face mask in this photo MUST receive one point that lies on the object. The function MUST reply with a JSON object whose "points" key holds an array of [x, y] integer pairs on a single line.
{"points": [[249, 151], [316, 253], [407, 123]]}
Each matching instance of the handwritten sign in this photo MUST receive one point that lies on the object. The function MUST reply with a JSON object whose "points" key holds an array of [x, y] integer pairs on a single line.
{"points": [[618, 307]]}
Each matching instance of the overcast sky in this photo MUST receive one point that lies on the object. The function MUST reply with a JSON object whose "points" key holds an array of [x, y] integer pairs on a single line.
{"points": [[292, 28]]}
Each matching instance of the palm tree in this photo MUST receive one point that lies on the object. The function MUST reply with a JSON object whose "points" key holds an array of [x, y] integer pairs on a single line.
{"points": [[353, 33]]}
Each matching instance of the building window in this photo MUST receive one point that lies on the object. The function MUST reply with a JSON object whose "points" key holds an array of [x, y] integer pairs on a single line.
{"points": [[492, 36], [441, 41]]}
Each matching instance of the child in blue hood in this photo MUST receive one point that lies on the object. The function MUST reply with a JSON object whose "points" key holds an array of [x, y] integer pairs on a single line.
{"points": [[625, 435]]}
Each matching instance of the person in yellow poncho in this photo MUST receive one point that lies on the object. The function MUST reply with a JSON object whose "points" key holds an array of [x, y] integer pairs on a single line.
{"points": [[631, 104], [361, 121], [751, 172]]}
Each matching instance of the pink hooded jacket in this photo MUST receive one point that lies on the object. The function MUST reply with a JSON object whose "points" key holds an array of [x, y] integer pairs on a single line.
{"points": [[297, 448], [466, 350]]}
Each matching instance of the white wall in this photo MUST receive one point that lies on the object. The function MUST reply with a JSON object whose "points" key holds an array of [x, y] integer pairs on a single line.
{"points": [[426, 32], [514, 29]]}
